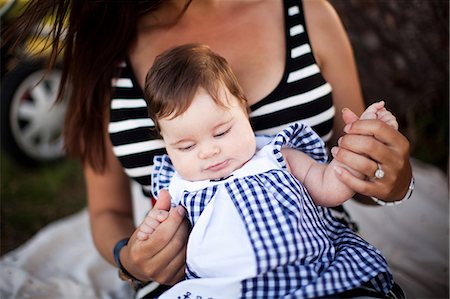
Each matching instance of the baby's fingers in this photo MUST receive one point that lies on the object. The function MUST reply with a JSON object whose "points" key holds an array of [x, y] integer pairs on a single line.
{"points": [[141, 235], [159, 215], [150, 223], [143, 232], [388, 118], [147, 228], [371, 111], [369, 115], [377, 106]]}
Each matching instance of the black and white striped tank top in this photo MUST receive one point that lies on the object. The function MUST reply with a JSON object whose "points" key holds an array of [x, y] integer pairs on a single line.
{"points": [[301, 95]]}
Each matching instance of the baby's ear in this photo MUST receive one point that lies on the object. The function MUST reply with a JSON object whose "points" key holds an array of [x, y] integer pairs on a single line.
{"points": [[349, 116]]}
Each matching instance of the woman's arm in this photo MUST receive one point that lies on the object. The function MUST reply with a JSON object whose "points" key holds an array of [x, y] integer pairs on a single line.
{"points": [[109, 202], [367, 142], [161, 257], [334, 55]]}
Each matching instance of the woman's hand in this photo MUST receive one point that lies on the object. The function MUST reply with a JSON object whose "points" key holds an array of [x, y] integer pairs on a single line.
{"points": [[162, 256], [366, 143]]}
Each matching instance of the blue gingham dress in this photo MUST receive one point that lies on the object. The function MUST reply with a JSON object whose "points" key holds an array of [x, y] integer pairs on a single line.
{"points": [[257, 233]]}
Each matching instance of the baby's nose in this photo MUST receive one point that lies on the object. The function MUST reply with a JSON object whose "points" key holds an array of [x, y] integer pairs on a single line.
{"points": [[209, 151]]}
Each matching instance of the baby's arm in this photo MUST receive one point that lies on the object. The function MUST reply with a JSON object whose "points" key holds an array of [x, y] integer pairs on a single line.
{"points": [[320, 179], [150, 223]]}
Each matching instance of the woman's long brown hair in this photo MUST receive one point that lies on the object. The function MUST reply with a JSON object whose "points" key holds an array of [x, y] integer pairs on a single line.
{"points": [[95, 36]]}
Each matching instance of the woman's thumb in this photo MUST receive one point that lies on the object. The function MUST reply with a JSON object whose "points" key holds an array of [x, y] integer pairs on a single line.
{"points": [[349, 116], [163, 202]]}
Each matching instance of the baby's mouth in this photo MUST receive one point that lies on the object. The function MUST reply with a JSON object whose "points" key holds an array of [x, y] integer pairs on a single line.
{"points": [[218, 166]]}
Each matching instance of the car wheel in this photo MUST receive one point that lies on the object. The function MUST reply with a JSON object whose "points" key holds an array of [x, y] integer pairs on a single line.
{"points": [[31, 122]]}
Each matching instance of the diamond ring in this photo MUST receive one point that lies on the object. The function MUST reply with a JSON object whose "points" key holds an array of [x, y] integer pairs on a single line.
{"points": [[379, 173]]}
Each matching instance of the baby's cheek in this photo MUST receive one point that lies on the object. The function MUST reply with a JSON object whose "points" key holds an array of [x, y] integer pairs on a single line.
{"points": [[189, 169], [182, 167], [250, 145]]}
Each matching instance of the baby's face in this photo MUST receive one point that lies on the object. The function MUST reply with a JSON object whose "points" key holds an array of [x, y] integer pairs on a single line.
{"points": [[208, 141]]}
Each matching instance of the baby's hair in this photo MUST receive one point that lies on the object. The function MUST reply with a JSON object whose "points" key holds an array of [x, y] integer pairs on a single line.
{"points": [[178, 73]]}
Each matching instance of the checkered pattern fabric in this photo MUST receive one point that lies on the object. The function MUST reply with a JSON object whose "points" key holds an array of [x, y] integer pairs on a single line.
{"points": [[301, 250], [301, 137], [162, 173], [195, 202]]}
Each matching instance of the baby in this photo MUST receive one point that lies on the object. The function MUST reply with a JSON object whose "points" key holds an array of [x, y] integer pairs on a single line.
{"points": [[260, 226]]}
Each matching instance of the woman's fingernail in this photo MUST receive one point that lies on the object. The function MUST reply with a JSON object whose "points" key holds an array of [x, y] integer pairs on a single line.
{"points": [[347, 128], [339, 141], [334, 150]]}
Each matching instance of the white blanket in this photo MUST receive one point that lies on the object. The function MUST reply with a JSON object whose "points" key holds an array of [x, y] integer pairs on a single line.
{"points": [[61, 260], [414, 235]]}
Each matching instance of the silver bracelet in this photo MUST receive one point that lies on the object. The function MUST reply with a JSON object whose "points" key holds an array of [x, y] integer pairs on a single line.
{"points": [[393, 203]]}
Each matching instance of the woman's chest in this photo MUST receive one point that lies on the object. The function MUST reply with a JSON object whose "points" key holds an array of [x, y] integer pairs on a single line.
{"points": [[252, 40]]}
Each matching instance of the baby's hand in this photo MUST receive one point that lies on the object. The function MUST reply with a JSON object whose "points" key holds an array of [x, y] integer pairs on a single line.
{"points": [[378, 111], [374, 111], [150, 223]]}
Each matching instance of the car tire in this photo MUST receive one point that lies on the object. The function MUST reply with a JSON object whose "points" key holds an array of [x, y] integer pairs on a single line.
{"points": [[31, 124]]}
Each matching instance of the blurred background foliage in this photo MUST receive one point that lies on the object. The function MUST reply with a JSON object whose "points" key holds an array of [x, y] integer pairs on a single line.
{"points": [[402, 52]]}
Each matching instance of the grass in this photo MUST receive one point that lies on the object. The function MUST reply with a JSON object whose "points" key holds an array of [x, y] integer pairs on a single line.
{"points": [[32, 198]]}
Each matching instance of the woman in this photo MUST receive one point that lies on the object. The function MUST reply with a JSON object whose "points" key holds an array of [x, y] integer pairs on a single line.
{"points": [[293, 60]]}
